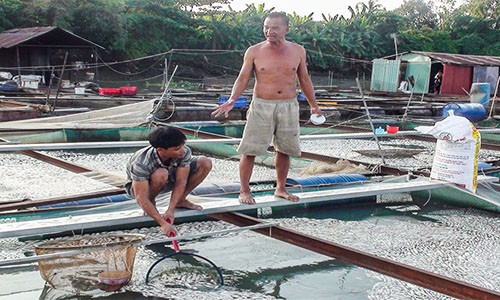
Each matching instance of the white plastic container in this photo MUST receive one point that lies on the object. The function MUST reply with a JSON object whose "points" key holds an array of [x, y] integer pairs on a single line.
{"points": [[5, 76], [79, 91], [317, 119], [28, 81]]}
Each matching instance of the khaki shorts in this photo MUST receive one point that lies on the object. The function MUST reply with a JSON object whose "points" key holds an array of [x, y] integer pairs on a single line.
{"points": [[271, 120]]}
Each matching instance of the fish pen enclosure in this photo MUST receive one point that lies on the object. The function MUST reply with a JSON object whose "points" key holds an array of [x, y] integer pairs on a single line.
{"points": [[84, 263]]}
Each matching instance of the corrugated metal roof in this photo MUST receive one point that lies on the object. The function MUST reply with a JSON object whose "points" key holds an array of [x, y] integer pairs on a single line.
{"points": [[13, 37], [462, 59], [18, 36]]}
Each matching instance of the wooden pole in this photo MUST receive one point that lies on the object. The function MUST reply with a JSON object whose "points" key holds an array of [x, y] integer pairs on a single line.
{"points": [[492, 109], [18, 66], [60, 80]]}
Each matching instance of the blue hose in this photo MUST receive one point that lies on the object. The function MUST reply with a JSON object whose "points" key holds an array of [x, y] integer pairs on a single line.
{"points": [[325, 179], [98, 200]]}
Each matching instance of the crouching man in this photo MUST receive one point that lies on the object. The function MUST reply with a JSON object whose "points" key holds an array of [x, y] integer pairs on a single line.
{"points": [[166, 165]]}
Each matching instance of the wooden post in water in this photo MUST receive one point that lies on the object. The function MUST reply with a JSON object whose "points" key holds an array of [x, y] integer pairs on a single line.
{"points": [[60, 81]]}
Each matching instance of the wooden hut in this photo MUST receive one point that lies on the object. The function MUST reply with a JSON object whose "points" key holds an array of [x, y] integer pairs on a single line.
{"points": [[35, 50]]}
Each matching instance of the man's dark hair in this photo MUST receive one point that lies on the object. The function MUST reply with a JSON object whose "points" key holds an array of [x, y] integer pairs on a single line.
{"points": [[280, 15], [166, 137]]}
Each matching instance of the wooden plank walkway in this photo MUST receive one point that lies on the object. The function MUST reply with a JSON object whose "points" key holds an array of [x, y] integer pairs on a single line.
{"points": [[105, 177], [110, 217]]}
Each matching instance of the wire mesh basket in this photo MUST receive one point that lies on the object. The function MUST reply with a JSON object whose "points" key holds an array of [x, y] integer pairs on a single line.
{"points": [[85, 263]]}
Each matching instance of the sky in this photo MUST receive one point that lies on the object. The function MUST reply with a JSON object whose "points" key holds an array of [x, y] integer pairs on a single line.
{"points": [[305, 7]]}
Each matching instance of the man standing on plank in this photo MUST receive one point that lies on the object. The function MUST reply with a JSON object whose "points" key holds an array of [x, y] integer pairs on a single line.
{"points": [[273, 114]]}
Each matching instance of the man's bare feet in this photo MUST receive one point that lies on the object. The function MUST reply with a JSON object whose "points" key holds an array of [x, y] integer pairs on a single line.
{"points": [[246, 198], [286, 196], [188, 204]]}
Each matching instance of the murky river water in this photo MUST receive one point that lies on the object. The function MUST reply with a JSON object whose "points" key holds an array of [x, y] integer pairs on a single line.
{"points": [[458, 243]]}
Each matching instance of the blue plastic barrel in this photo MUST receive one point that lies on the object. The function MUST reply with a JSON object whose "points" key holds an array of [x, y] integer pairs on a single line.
{"points": [[301, 97], [325, 179], [473, 111], [212, 188], [241, 102], [480, 93], [91, 201]]}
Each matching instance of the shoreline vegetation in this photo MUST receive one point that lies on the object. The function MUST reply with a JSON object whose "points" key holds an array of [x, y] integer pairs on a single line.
{"points": [[155, 36]]}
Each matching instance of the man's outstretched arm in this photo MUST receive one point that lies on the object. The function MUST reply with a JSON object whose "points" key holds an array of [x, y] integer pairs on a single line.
{"points": [[239, 86]]}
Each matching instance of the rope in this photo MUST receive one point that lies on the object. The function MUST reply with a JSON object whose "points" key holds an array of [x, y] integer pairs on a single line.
{"points": [[135, 80], [335, 125], [409, 100], [428, 198], [159, 102], [370, 120], [128, 74], [341, 57]]}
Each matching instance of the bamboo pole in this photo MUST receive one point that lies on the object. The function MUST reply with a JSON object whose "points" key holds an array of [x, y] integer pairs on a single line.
{"points": [[492, 110]]}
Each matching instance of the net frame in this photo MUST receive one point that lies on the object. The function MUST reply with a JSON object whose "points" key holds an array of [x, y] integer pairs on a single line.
{"points": [[104, 259], [218, 273]]}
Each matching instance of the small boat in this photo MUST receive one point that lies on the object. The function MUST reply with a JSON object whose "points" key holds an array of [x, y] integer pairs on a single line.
{"points": [[12, 110], [8, 87]]}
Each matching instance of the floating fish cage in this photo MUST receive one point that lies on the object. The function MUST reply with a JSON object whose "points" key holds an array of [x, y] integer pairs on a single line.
{"points": [[85, 263]]}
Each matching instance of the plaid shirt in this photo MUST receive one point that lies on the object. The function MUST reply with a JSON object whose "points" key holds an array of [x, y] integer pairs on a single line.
{"points": [[146, 160]]}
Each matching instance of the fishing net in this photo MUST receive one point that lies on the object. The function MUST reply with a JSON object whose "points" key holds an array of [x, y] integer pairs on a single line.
{"points": [[185, 270], [90, 262], [122, 116]]}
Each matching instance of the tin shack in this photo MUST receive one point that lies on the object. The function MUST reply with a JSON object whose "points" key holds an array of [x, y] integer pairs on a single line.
{"points": [[419, 68]]}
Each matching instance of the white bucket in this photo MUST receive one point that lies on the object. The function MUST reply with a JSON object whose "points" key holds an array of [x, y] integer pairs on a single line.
{"points": [[89, 76], [28, 81], [79, 91], [5, 75]]}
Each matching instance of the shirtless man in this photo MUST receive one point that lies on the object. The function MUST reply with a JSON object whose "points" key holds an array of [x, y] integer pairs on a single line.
{"points": [[273, 114], [166, 165]]}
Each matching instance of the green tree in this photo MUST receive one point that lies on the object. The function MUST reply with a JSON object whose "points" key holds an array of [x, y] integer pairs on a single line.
{"points": [[445, 10], [486, 10], [233, 30], [11, 15], [386, 25], [103, 22], [135, 28], [475, 36], [419, 14], [51, 12], [191, 5], [155, 27]]}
